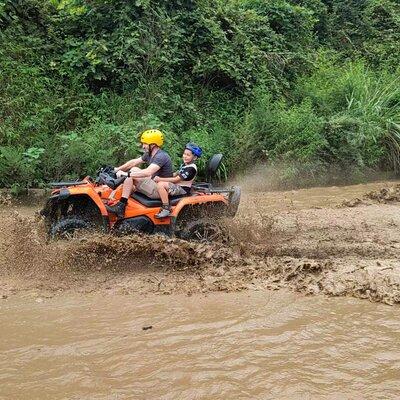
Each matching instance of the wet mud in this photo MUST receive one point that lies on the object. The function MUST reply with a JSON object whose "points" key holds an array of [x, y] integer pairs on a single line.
{"points": [[338, 241]]}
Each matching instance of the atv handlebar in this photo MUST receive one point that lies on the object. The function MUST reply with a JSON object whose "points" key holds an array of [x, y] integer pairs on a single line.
{"points": [[107, 176]]}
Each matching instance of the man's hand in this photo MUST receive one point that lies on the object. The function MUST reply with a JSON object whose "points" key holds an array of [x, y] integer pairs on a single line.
{"points": [[156, 179], [121, 173]]}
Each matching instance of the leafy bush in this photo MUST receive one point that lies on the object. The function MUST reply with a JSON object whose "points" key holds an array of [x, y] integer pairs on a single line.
{"points": [[18, 167], [309, 83]]}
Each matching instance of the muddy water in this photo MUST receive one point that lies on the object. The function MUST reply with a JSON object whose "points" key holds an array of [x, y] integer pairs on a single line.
{"points": [[72, 314], [315, 197], [255, 345]]}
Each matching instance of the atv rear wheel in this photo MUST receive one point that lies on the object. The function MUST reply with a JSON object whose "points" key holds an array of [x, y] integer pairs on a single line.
{"points": [[66, 228], [203, 230]]}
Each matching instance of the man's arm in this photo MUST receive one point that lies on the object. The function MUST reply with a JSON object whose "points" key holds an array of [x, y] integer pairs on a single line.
{"points": [[146, 172], [130, 164]]}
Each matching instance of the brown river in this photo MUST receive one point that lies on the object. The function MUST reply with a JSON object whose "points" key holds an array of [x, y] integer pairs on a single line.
{"points": [[295, 307]]}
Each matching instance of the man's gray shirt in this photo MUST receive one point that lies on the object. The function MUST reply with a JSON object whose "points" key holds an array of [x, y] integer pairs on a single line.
{"points": [[163, 160]]}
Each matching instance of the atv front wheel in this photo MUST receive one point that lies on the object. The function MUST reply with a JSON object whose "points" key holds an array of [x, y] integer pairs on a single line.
{"points": [[203, 230], [66, 228]]}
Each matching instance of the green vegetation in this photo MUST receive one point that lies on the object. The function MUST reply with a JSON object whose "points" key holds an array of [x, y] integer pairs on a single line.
{"points": [[302, 83]]}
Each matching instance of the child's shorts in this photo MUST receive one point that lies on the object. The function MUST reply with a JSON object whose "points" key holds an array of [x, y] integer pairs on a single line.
{"points": [[148, 187], [176, 190]]}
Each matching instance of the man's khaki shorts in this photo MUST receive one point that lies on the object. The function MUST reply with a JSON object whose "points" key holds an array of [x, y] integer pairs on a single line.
{"points": [[148, 187]]}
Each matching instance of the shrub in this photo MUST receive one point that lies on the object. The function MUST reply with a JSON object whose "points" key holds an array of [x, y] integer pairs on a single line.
{"points": [[19, 167]]}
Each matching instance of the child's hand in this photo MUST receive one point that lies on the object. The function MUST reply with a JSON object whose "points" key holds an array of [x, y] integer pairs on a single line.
{"points": [[156, 179]]}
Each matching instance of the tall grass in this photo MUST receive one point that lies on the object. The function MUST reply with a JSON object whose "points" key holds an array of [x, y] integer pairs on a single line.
{"points": [[343, 115]]}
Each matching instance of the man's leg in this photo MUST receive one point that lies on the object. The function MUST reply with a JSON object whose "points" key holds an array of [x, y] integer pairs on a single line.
{"points": [[135, 181], [119, 208], [127, 188]]}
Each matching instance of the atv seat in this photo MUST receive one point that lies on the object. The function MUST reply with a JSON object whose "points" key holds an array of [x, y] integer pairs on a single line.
{"points": [[148, 202]]}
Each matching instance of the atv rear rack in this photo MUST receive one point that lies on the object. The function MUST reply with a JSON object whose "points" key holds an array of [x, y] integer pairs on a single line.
{"points": [[208, 188]]}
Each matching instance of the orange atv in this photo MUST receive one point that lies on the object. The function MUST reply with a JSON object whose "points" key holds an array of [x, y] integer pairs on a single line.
{"points": [[81, 204]]}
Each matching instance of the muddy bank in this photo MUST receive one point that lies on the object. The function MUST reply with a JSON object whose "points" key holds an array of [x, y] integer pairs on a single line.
{"points": [[304, 240]]}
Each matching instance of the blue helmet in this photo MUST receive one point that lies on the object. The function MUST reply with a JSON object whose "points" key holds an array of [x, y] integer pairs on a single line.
{"points": [[196, 150]]}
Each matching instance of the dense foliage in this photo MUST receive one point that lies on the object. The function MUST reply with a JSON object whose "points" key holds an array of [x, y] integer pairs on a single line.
{"points": [[308, 83]]}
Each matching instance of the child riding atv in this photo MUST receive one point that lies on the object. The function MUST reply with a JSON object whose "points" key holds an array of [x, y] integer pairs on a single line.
{"points": [[181, 182]]}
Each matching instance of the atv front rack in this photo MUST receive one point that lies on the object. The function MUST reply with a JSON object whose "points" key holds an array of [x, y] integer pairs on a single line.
{"points": [[66, 184]]}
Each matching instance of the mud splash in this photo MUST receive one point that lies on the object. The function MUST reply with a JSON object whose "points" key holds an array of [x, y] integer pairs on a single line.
{"points": [[325, 249], [385, 195]]}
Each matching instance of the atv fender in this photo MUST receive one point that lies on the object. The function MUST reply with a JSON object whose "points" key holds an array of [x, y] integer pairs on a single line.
{"points": [[65, 193], [199, 200], [90, 192], [61, 200]]}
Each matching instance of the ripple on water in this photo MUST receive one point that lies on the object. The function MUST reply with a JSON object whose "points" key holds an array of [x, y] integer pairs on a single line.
{"points": [[247, 345]]}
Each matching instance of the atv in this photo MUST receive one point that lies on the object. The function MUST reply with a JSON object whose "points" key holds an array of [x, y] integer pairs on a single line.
{"points": [[80, 205]]}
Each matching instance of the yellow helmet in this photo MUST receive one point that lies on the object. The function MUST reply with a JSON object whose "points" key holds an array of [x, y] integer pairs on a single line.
{"points": [[152, 136]]}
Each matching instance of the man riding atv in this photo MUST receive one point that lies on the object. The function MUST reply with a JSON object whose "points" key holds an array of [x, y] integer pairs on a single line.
{"points": [[94, 204], [141, 180]]}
